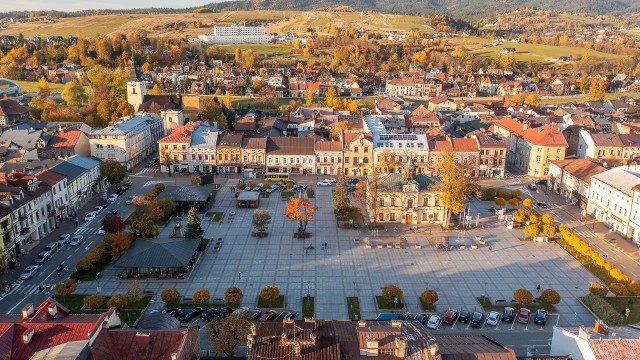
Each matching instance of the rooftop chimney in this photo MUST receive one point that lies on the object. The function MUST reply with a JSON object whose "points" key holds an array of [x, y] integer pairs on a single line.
{"points": [[362, 323], [401, 344], [434, 349], [53, 310], [372, 343], [600, 327], [27, 311], [28, 335], [396, 323]]}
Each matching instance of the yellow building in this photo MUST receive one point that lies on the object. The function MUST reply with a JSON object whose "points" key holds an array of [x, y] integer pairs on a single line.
{"points": [[358, 153], [176, 145]]}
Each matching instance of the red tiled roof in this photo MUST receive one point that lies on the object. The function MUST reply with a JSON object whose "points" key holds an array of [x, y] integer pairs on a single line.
{"points": [[245, 124], [547, 135], [582, 169], [442, 146], [51, 177], [618, 349], [137, 344], [465, 145], [254, 143], [328, 146], [66, 138], [350, 137], [181, 134]]}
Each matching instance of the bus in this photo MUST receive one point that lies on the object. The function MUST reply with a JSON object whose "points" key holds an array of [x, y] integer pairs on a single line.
{"points": [[276, 177]]}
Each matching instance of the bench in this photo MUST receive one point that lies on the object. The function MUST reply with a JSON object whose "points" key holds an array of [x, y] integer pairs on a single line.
{"points": [[462, 246], [418, 246], [474, 246], [379, 246], [397, 246], [501, 301], [367, 246]]}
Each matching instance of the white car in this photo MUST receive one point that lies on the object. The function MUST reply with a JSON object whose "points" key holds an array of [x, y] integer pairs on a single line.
{"points": [[77, 240], [98, 209], [325, 183], [241, 311], [332, 180], [493, 318], [113, 197], [90, 216], [63, 239], [101, 231], [29, 272], [434, 321]]}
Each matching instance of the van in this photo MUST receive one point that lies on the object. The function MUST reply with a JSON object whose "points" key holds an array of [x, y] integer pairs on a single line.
{"points": [[52, 248]]}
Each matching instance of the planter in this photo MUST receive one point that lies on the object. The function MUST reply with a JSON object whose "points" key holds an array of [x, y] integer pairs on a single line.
{"points": [[301, 235], [260, 234]]}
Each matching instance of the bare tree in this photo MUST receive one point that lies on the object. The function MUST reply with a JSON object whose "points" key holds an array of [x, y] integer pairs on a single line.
{"points": [[367, 192], [389, 159], [165, 158], [261, 219], [228, 333]]}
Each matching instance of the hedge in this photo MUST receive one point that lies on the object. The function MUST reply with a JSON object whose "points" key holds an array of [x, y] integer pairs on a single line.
{"points": [[603, 309]]}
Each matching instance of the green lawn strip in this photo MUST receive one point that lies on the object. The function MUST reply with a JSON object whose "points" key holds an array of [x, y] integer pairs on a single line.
{"points": [[427, 307], [487, 305], [75, 303], [311, 193], [277, 303], [287, 194], [308, 307], [597, 271], [353, 308], [622, 303], [388, 304], [264, 194], [217, 216]]}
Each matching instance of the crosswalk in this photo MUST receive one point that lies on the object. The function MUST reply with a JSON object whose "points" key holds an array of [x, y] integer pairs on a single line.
{"points": [[86, 231], [147, 171]]}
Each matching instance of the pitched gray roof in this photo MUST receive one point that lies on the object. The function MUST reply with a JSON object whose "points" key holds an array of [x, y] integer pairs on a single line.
{"points": [[204, 135], [394, 182], [188, 193], [26, 139], [167, 252], [69, 170], [83, 161]]}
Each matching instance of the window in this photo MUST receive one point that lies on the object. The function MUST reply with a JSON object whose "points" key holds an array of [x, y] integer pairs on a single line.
{"points": [[366, 149], [381, 217], [355, 149], [393, 202], [175, 157], [166, 147], [184, 157], [381, 202], [436, 203], [392, 217], [175, 147], [184, 147], [410, 203]]}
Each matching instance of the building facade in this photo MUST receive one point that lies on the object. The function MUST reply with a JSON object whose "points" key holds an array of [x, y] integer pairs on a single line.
{"points": [[236, 35], [358, 153], [329, 157], [291, 155]]}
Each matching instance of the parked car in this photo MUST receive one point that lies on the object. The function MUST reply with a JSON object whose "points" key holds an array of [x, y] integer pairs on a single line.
{"points": [[189, 314], [102, 231], [105, 203], [76, 240], [464, 316], [52, 248], [286, 314], [280, 188], [419, 318], [129, 200], [324, 183], [542, 205], [532, 186], [268, 315], [493, 318], [90, 216], [332, 180], [241, 311], [113, 197], [434, 322], [98, 209], [253, 315], [120, 190], [523, 316], [390, 316], [63, 239], [42, 257], [173, 312], [354, 181], [541, 317], [29, 271], [508, 314], [450, 316], [541, 182], [477, 319], [209, 314]]}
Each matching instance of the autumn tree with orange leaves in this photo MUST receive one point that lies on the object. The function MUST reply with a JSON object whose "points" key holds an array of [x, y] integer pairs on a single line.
{"points": [[300, 210]]}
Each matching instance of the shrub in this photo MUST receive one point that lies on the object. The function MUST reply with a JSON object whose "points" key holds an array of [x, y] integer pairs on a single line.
{"points": [[501, 193], [239, 186], [514, 201], [233, 295], [201, 296], [603, 310], [598, 289], [523, 296], [634, 288], [66, 287], [117, 301], [391, 291], [269, 292], [159, 186], [501, 201], [618, 289], [550, 296], [195, 180], [170, 295], [93, 302], [516, 193], [527, 202], [288, 186], [429, 297], [490, 193]]}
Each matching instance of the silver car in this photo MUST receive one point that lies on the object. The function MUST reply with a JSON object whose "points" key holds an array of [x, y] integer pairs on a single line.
{"points": [[29, 272]]}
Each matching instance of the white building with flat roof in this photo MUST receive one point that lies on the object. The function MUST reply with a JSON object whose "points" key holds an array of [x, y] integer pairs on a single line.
{"points": [[236, 35]]}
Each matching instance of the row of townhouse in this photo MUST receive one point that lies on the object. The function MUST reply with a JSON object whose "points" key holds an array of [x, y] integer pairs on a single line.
{"points": [[32, 206]]}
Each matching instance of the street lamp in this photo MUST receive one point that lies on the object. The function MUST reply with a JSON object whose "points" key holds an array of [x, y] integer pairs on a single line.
{"points": [[308, 292]]}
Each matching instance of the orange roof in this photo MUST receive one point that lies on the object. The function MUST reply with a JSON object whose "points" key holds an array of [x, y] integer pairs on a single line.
{"points": [[350, 137], [547, 135], [181, 134], [328, 146], [442, 146], [466, 145], [66, 138]]}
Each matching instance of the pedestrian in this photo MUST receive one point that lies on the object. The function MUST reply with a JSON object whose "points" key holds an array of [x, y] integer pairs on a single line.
{"points": [[325, 245], [538, 288], [240, 275], [306, 251], [40, 289], [430, 231], [48, 288], [490, 248]]}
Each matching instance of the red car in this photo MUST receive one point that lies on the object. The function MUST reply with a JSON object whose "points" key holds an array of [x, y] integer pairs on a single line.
{"points": [[268, 315], [450, 316], [523, 316]]}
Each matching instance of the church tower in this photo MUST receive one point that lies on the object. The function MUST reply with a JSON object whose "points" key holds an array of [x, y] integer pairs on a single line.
{"points": [[136, 88]]}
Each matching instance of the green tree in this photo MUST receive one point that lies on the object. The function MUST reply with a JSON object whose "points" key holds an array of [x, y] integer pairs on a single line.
{"points": [[618, 289], [228, 333], [93, 302], [193, 229], [167, 205], [144, 226], [170, 295], [341, 196], [523, 296], [73, 94], [456, 184], [113, 170], [585, 83]]}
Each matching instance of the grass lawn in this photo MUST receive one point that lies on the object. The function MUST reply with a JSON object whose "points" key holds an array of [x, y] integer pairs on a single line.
{"points": [[599, 272], [217, 216], [622, 303], [287, 194], [386, 304], [264, 194], [311, 193], [541, 53], [308, 307], [353, 308], [277, 303], [32, 86], [129, 314], [487, 305], [427, 307], [262, 49]]}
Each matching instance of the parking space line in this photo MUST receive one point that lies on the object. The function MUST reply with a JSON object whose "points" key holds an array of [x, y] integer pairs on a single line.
{"points": [[527, 327], [513, 324], [468, 325], [498, 326], [483, 324]]}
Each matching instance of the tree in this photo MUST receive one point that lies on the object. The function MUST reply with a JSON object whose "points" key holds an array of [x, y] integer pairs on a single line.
{"points": [[166, 159], [113, 170], [514, 201], [157, 90], [368, 194], [550, 296], [598, 289], [516, 193], [117, 301], [113, 224], [66, 287], [233, 295], [523, 296], [261, 219], [73, 94], [269, 293], [618, 289], [429, 297], [634, 288], [532, 99], [228, 333], [167, 206], [391, 292], [341, 196], [330, 97], [596, 90], [457, 183], [43, 88], [93, 302], [144, 226], [201, 297], [532, 230], [501, 202], [527, 202], [389, 159], [310, 97], [337, 129], [301, 210], [193, 229], [170, 295], [120, 242]]}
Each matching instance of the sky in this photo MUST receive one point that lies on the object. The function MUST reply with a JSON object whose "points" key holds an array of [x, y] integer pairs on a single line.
{"points": [[73, 5]]}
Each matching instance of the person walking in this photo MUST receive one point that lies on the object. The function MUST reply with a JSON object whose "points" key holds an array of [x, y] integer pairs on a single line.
{"points": [[538, 288], [239, 276]]}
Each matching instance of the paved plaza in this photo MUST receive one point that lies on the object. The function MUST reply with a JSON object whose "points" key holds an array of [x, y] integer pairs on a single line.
{"points": [[347, 268]]}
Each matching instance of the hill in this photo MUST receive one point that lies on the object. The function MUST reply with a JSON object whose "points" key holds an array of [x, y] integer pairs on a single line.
{"points": [[456, 8]]}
